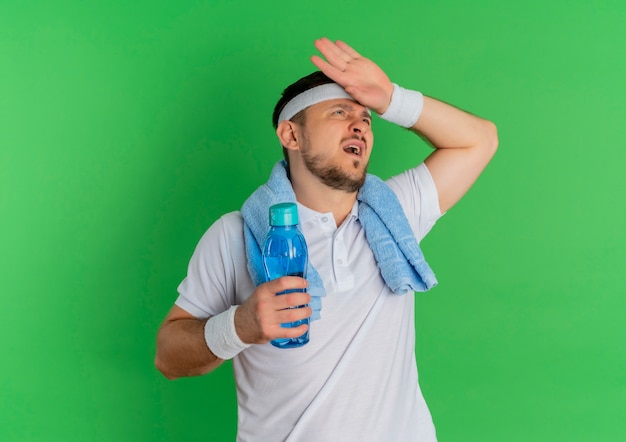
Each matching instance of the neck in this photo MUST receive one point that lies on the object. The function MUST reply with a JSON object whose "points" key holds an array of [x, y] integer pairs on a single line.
{"points": [[321, 198]]}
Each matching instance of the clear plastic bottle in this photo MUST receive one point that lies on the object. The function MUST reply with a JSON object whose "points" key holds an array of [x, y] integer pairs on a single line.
{"points": [[285, 254]]}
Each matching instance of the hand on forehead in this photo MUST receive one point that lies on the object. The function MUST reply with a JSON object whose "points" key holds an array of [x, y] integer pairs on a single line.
{"points": [[361, 78]]}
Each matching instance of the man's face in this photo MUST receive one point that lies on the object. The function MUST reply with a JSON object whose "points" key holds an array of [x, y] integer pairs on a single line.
{"points": [[336, 143]]}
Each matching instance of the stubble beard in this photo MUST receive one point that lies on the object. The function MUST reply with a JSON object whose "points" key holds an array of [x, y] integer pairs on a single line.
{"points": [[332, 175]]}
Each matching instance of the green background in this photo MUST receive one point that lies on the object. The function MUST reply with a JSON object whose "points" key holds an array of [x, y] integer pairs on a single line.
{"points": [[127, 128]]}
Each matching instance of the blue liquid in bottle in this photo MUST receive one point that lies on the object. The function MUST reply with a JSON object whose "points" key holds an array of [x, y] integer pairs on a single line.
{"points": [[285, 254]]}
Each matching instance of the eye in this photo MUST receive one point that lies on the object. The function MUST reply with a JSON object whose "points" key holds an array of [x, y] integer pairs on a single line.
{"points": [[367, 121], [339, 112]]}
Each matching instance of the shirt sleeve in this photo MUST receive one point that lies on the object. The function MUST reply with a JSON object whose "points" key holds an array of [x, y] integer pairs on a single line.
{"points": [[418, 196], [210, 285]]}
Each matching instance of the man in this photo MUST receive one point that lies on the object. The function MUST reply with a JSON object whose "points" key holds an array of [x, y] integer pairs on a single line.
{"points": [[356, 380]]}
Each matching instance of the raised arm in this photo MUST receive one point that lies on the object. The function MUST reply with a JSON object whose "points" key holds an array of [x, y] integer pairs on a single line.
{"points": [[464, 143]]}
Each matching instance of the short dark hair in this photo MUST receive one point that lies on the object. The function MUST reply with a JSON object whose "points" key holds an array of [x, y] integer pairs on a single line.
{"points": [[312, 80]]}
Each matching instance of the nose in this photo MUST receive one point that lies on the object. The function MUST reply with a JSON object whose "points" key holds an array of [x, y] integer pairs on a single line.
{"points": [[359, 126]]}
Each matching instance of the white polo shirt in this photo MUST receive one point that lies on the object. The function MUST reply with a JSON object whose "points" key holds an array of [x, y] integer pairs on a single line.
{"points": [[356, 380]]}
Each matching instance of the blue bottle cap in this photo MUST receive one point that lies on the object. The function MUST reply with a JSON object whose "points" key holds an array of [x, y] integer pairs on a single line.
{"points": [[284, 214]]}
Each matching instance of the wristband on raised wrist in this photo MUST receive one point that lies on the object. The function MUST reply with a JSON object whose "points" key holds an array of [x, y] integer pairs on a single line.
{"points": [[221, 336], [405, 107]]}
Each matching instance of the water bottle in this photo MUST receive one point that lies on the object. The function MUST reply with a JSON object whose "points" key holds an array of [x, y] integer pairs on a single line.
{"points": [[285, 254]]}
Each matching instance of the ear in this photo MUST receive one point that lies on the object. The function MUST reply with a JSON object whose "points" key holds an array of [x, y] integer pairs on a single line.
{"points": [[288, 133]]}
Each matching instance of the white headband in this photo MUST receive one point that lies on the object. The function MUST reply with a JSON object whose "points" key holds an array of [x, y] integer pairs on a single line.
{"points": [[329, 91]]}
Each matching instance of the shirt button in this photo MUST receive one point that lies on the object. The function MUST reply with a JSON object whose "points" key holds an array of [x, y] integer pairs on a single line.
{"points": [[324, 219], [339, 261]]}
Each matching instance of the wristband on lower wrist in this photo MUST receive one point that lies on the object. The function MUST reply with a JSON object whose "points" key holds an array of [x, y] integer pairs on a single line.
{"points": [[221, 336], [405, 107]]}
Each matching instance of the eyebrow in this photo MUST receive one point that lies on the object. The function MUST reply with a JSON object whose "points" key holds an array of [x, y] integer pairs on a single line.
{"points": [[350, 108]]}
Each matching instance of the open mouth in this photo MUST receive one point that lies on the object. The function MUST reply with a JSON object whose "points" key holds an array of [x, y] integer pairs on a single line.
{"points": [[355, 150]]}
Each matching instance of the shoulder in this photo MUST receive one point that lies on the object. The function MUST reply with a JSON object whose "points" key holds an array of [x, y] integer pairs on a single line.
{"points": [[217, 269], [224, 232], [415, 184], [232, 221], [417, 178]]}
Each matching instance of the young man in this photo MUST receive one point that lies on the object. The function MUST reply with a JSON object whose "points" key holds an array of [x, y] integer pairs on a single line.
{"points": [[356, 380]]}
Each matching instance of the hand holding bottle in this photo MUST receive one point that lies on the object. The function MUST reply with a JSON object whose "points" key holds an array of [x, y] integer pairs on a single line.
{"points": [[258, 320]]}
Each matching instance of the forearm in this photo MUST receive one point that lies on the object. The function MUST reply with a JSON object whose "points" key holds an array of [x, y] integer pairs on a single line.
{"points": [[447, 127], [182, 349], [188, 346], [464, 144]]}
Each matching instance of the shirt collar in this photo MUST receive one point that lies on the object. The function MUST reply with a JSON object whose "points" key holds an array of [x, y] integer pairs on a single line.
{"points": [[306, 215]]}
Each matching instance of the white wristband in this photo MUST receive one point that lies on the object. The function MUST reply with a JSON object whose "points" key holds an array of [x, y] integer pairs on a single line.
{"points": [[405, 107], [221, 337]]}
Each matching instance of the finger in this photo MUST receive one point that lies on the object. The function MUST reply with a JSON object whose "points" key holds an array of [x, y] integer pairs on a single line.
{"points": [[323, 65], [291, 300], [293, 315], [347, 49], [335, 55], [294, 332], [329, 48], [331, 72], [294, 282], [335, 74], [286, 283]]}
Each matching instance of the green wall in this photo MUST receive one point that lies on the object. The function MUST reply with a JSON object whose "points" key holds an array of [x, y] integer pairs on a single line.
{"points": [[127, 128]]}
